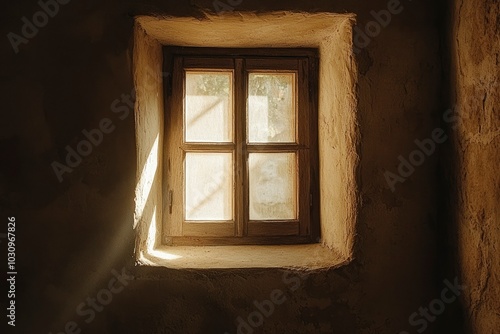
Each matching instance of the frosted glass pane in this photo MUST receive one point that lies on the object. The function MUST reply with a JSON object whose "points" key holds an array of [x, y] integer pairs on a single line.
{"points": [[271, 107], [208, 107], [272, 181], [209, 184]]}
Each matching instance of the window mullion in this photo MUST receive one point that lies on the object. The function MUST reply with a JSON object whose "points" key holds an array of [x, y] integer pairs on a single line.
{"points": [[240, 154]]}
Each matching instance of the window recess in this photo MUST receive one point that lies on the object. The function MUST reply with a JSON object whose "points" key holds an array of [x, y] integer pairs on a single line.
{"points": [[240, 148]]}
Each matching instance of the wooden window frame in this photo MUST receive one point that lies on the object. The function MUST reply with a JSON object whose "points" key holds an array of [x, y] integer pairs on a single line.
{"points": [[305, 229]]}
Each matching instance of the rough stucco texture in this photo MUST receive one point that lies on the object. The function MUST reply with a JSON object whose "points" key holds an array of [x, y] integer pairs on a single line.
{"points": [[72, 234], [474, 157]]}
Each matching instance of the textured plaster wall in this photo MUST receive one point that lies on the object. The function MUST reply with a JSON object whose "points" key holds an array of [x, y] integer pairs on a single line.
{"points": [[72, 234], [470, 165], [149, 132]]}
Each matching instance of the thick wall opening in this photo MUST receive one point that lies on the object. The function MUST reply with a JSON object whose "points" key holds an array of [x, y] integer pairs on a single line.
{"points": [[337, 126]]}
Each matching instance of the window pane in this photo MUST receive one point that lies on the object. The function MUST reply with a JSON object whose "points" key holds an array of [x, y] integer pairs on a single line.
{"points": [[208, 109], [273, 186], [209, 184], [271, 107]]}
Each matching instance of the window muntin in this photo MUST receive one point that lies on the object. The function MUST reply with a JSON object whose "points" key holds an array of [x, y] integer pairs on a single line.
{"points": [[240, 151]]}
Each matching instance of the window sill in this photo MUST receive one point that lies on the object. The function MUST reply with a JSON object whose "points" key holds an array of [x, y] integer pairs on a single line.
{"points": [[310, 257]]}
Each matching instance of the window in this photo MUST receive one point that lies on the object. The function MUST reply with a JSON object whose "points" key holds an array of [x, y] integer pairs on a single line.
{"points": [[240, 147]]}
